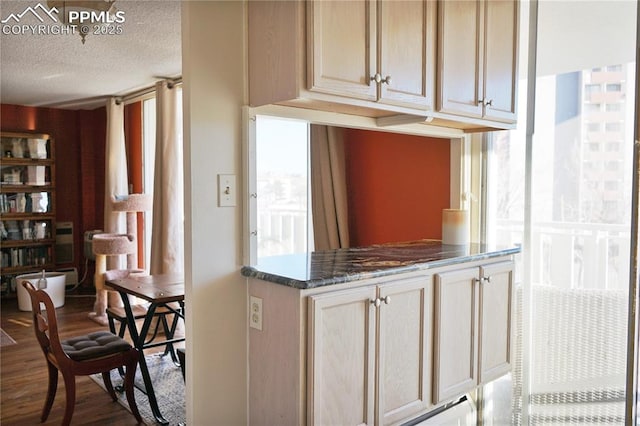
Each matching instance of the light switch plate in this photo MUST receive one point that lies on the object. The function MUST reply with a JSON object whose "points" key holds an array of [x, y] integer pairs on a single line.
{"points": [[226, 190]]}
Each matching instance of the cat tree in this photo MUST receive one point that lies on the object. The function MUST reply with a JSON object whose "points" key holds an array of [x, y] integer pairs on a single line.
{"points": [[105, 245], [132, 205], [108, 245]]}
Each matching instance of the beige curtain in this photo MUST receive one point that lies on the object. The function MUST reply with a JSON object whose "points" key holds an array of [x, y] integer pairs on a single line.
{"points": [[116, 182], [167, 238], [328, 188]]}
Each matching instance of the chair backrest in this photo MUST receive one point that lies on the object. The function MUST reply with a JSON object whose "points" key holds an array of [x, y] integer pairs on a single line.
{"points": [[45, 324]]}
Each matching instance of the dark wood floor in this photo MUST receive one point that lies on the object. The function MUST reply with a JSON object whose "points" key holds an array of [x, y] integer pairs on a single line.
{"points": [[23, 377]]}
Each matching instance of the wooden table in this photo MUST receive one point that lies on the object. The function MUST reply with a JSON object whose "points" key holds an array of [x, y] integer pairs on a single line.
{"points": [[160, 291]]}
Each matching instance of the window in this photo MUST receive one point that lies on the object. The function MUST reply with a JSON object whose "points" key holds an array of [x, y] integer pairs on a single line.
{"points": [[571, 195], [616, 107], [592, 88], [593, 127], [282, 189], [148, 161], [614, 87], [613, 126], [593, 184], [612, 166], [614, 68], [613, 146], [611, 207], [592, 107], [612, 185]]}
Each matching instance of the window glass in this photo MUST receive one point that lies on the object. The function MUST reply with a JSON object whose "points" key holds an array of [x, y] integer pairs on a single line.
{"points": [[592, 107], [283, 214], [613, 107], [613, 127], [580, 238], [593, 127], [614, 87], [148, 160], [592, 88]]}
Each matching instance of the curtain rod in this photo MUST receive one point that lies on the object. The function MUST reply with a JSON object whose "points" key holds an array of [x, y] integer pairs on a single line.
{"points": [[171, 83]]}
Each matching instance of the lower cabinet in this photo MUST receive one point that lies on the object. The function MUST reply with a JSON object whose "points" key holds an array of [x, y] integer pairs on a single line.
{"points": [[382, 353], [472, 328], [369, 358]]}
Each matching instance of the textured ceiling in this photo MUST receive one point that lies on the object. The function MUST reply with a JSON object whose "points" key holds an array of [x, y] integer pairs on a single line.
{"points": [[59, 71]]}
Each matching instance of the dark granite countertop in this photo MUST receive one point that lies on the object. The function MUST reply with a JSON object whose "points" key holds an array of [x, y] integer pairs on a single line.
{"points": [[322, 268]]}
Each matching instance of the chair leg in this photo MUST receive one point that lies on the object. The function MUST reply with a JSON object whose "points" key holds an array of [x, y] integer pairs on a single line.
{"points": [[51, 391], [70, 387], [106, 378], [129, 384]]}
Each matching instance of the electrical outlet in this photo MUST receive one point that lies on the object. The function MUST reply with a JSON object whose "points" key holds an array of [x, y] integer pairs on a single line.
{"points": [[227, 190], [255, 313]]}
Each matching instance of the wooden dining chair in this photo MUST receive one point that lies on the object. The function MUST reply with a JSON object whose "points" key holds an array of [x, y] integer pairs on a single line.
{"points": [[98, 352]]}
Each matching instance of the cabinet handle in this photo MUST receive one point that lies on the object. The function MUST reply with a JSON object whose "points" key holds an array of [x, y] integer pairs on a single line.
{"points": [[487, 279], [377, 301], [489, 102], [378, 79]]}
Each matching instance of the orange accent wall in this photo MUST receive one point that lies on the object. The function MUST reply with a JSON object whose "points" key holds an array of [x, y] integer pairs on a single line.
{"points": [[397, 186], [80, 149]]}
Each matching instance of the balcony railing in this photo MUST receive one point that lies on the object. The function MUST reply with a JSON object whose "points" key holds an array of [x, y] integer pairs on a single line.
{"points": [[282, 230], [574, 255]]}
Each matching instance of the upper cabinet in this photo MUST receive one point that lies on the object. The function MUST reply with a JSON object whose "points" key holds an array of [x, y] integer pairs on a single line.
{"points": [[376, 51], [446, 63], [406, 65], [477, 59], [342, 53]]}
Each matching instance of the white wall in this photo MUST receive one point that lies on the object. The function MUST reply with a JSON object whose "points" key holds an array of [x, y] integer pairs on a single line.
{"points": [[580, 34], [214, 91]]}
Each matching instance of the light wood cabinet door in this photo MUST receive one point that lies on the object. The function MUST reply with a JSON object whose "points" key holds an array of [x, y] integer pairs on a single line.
{"points": [[341, 362], [460, 42], [477, 59], [407, 52], [501, 46], [341, 48], [455, 333], [496, 299], [404, 349]]}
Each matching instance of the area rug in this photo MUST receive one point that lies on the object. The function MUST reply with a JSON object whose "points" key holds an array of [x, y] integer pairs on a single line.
{"points": [[5, 339], [167, 383]]}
